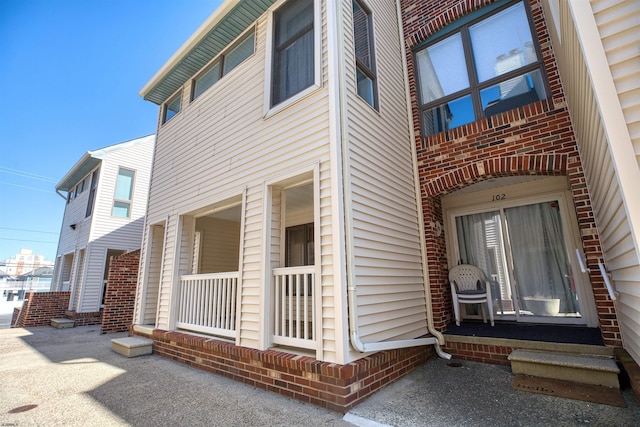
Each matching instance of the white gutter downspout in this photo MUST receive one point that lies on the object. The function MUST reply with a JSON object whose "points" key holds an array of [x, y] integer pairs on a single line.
{"points": [[354, 335]]}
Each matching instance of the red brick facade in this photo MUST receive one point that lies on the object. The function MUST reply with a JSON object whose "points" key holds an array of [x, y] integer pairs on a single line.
{"points": [[328, 385], [120, 294], [86, 318], [40, 307], [534, 139]]}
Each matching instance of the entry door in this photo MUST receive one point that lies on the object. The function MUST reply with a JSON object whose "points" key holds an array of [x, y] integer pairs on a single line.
{"points": [[523, 250]]}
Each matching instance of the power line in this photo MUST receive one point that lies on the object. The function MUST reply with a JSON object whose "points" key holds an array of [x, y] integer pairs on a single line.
{"points": [[22, 240], [25, 174], [27, 187], [29, 231]]}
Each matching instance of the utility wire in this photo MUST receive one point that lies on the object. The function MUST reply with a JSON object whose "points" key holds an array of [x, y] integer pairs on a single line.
{"points": [[22, 240], [25, 174], [29, 188], [29, 231]]}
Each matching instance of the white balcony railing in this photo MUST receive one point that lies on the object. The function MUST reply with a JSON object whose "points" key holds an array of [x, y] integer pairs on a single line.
{"points": [[295, 309], [208, 303]]}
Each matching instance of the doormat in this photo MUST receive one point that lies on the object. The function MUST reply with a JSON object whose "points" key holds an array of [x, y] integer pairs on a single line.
{"points": [[569, 390]]}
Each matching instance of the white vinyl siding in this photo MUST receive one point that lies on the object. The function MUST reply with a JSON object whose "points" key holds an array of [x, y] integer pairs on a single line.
{"points": [[149, 276], [101, 231], [107, 231], [220, 145], [219, 257], [385, 230], [611, 172]]}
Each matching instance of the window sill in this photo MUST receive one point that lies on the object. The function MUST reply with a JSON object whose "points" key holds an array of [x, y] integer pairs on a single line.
{"points": [[272, 111]]}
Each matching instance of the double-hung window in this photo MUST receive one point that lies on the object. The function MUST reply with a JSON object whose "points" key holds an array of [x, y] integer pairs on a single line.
{"points": [[224, 64], [293, 65], [171, 108], [486, 63], [363, 44], [123, 193]]}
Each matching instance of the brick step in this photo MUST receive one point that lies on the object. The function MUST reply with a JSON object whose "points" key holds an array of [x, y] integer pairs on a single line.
{"points": [[579, 368], [63, 322], [132, 346]]}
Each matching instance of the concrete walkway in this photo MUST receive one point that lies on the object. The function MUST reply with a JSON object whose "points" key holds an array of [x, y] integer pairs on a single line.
{"points": [[70, 377]]}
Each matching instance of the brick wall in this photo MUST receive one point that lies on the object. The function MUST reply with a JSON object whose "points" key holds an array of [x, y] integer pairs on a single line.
{"points": [[483, 353], [40, 307], [85, 318], [534, 139], [120, 293], [328, 385]]}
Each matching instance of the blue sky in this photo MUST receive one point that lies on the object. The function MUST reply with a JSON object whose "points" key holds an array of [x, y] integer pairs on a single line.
{"points": [[71, 71]]}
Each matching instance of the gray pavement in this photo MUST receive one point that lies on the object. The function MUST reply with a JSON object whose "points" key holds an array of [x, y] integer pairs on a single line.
{"points": [[70, 377]]}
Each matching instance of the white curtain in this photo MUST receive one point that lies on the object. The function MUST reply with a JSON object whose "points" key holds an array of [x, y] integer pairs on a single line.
{"points": [[541, 267], [541, 264]]}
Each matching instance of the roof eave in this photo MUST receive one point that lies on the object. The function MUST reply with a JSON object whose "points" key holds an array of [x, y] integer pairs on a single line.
{"points": [[65, 183], [188, 46]]}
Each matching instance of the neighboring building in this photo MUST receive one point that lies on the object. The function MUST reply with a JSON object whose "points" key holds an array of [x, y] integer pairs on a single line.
{"points": [[106, 193], [527, 132], [26, 271], [314, 181], [24, 262]]}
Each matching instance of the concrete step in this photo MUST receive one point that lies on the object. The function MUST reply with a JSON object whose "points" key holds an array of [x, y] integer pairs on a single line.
{"points": [[579, 368], [62, 323], [132, 346]]}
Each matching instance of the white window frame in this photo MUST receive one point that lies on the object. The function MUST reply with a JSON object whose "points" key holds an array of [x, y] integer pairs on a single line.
{"points": [[317, 72], [115, 189]]}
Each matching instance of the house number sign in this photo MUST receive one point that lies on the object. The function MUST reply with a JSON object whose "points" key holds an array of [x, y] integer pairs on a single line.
{"points": [[498, 197]]}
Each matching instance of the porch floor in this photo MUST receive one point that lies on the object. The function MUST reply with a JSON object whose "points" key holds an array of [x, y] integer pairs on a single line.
{"points": [[566, 334]]}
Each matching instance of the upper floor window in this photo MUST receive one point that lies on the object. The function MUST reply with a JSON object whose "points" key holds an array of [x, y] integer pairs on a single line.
{"points": [[171, 108], [479, 68], [225, 63], [293, 65], [363, 44], [123, 194], [92, 192]]}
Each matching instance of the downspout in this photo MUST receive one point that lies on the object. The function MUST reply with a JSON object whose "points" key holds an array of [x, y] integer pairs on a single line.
{"points": [[414, 157], [437, 339]]}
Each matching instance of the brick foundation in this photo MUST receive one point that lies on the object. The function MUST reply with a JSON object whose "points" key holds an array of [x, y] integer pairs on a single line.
{"points": [[40, 307], [483, 353], [84, 319], [327, 385], [120, 293]]}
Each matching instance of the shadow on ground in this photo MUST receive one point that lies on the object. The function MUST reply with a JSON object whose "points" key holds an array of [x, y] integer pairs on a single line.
{"points": [[71, 377]]}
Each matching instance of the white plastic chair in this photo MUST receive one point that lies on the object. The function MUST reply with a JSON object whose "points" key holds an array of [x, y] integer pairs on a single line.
{"points": [[469, 286]]}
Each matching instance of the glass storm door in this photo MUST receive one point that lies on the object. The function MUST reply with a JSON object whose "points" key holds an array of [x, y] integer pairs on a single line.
{"points": [[523, 251]]}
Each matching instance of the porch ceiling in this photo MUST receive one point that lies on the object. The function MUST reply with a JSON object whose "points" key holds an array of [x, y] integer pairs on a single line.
{"points": [[222, 27]]}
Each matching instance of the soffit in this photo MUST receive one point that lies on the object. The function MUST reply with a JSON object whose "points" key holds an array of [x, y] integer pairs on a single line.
{"points": [[79, 171], [207, 46]]}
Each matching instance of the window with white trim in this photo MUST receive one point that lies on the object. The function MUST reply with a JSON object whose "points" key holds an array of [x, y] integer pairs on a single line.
{"points": [[366, 81], [124, 193], [486, 63], [224, 64], [293, 62]]}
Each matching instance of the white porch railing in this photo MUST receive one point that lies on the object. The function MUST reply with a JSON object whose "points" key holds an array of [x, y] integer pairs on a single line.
{"points": [[208, 303], [295, 309]]}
